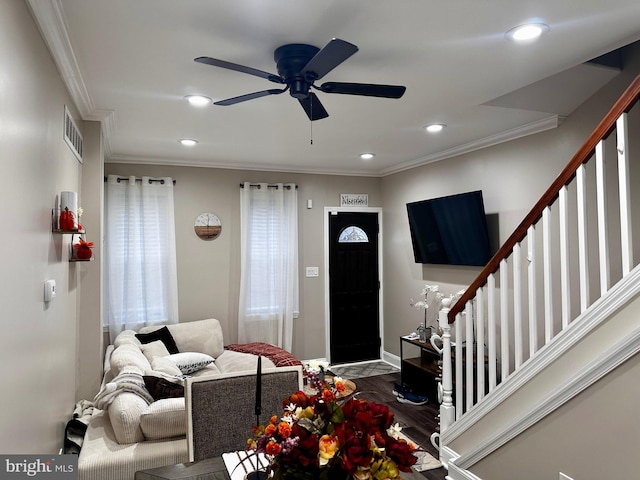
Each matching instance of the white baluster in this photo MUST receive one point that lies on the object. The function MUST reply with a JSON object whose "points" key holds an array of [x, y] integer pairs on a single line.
{"points": [[565, 285], [517, 304], [491, 321], [480, 316], [547, 267], [468, 353], [603, 238], [625, 194], [533, 294], [504, 319], [458, 363], [583, 247]]}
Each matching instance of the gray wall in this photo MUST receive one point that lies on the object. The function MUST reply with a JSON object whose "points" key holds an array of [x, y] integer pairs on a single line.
{"points": [[38, 341], [208, 271], [512, 177]]}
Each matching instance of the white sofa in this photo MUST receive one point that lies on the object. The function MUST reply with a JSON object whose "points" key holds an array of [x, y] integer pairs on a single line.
{"points": [[130, 430]]}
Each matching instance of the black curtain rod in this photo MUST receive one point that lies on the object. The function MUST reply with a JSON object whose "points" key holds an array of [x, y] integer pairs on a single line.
{"points": [[257, 185], [151, 180]]}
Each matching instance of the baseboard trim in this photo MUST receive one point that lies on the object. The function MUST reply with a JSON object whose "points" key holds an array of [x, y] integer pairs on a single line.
{"points": [[391, 359], [457, 473], [448, 458]]}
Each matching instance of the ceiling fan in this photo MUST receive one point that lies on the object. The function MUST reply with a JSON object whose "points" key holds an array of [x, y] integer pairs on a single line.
{"points": [[299, 66]]}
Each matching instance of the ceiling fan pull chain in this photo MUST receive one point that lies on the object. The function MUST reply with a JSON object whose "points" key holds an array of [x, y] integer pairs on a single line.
{"points": [[311, 124]]}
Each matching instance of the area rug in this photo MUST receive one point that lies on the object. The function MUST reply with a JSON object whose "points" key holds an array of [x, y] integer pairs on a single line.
{"points": [[361, 370]]}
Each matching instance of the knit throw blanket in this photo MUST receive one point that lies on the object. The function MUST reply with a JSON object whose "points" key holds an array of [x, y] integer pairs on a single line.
{"points": [[124, 382]]}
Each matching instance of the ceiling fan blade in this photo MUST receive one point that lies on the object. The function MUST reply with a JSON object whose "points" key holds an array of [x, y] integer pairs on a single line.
{"points": [[239, 68], [366, 89], [313, 107], [250, 96], [333, 54]]}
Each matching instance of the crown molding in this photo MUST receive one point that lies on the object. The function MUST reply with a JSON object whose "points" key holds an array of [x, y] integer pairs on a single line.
{"points": [[548, 123], [203, 163], [49, 17], [108, 125]]}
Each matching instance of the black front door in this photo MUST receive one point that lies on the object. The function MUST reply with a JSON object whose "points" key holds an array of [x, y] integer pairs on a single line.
{"points": [[353, 287]]}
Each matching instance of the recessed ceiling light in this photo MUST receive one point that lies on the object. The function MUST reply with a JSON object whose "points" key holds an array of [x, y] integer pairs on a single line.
{"points": [[367, 156], [188, 142], [434, 127], [198, 100], [527, 32]]}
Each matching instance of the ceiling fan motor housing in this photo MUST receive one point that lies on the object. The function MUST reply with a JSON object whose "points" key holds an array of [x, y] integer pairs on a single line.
{"points": [[290, 60]]}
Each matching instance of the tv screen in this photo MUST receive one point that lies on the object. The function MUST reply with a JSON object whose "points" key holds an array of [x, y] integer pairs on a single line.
{"points": [[450, 230]]}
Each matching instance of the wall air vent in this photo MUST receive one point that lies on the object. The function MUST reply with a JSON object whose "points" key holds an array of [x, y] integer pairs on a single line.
{"points": [[72, 136]]}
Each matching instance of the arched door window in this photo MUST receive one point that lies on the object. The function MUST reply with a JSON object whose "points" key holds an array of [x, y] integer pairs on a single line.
{"points": [[353, 234]]}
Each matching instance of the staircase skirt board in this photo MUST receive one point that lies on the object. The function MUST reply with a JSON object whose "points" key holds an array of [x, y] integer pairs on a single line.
{"points": [[603, 361]]}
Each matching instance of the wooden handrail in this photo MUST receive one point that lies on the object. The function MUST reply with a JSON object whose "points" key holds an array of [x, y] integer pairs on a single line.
{"points": [[626, 101]]}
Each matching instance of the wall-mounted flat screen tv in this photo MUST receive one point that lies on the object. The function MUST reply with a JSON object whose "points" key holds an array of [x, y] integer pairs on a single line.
{"points": [[450, 230]]}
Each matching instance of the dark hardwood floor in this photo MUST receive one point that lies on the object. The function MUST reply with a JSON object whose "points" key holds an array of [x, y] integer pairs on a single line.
{"points": [[417, 421]]}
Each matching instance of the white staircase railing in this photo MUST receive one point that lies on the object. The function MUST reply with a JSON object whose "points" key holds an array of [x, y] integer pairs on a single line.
{"points": [[573, 246]]}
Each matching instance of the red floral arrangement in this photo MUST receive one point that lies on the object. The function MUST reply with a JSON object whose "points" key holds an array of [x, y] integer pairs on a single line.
{"points": [[320, 436]]}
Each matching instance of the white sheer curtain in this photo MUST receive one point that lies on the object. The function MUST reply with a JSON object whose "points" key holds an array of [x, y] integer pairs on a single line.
{"points": [[140, 254], [269, 263]]}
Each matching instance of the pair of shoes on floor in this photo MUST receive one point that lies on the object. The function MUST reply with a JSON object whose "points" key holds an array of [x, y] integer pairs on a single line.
{"points": [[405, 395]]}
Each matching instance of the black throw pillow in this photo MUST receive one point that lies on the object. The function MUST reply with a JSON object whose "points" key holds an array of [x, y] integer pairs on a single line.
{"points": [[160, 388], [164, 335]]}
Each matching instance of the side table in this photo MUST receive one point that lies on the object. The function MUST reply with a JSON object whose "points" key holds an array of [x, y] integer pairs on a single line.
{"points": [[419, 366]]}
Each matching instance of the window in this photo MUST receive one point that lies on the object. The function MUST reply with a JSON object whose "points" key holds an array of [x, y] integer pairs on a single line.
{"points": [[140, 256], [353, 234], [269, 263]]}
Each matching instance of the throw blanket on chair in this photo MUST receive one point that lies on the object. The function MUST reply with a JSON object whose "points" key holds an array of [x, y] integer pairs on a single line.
{"points": [[279, 356], [124, 382]]}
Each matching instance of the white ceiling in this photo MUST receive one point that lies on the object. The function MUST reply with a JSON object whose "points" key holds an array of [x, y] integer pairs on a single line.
{"points": [[130, 63]]}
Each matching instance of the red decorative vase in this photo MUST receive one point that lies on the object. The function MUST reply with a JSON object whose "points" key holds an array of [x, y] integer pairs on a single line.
{"points": [[83, 252], [67, 220]]}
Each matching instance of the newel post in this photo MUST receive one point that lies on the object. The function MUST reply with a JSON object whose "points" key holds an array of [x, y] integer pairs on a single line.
{"points": [[445, 387]]}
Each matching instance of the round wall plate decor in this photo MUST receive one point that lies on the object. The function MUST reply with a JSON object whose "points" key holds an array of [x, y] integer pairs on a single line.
{"points": [[207, 226]]}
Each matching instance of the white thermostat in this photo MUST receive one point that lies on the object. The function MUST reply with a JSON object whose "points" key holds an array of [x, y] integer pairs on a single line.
{"points": [[49, 290]]}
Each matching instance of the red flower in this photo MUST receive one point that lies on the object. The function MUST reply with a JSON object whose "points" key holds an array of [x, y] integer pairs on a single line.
{"points": [[269, 430], [299, 399], [401, 453], [356, 451], [328, 396], [273, 448], [284, 429]]}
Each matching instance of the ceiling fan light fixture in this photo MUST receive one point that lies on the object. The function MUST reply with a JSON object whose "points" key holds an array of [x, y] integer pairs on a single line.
{"points": [[198, 100], [367, 156], [527, 32], [188, 142], [435, 127]]}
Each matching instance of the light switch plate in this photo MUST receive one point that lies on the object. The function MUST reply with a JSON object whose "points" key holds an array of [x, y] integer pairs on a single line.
{"points": [[312, 271]]}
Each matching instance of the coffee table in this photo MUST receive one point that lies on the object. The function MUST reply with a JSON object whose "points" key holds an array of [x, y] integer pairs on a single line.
{"points": [[212, 469], [350, 388], [208, 469]]}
